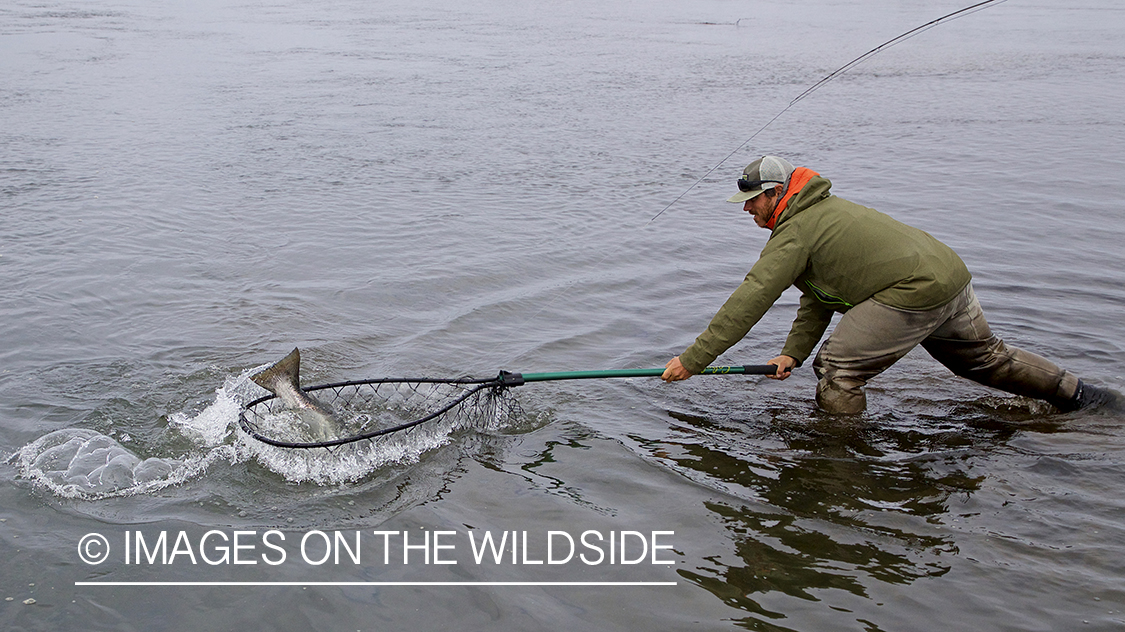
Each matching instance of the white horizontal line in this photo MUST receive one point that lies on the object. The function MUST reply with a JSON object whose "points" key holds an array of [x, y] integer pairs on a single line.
{"points": [[376, 583]]}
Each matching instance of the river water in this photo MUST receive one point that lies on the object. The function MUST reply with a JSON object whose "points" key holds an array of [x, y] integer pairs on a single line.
{"points": [[190, 190]]}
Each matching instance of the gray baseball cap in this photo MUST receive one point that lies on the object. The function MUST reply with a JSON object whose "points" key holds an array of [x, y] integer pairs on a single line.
{"points": [[764, 173]]}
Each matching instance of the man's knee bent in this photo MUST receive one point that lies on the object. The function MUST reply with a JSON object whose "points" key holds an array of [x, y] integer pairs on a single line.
{"points": [[840, 397]]}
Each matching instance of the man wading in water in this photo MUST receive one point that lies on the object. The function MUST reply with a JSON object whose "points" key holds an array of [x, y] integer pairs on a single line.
{"points": [[897, 287]]}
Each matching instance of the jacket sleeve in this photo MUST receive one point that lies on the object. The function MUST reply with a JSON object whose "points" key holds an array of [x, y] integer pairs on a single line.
{"points": [[782, 261], [812, 319]]}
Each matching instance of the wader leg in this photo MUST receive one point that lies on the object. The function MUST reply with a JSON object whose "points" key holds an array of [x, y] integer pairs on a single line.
{"points": [[868, 339], [871, 337], [966, 345]]}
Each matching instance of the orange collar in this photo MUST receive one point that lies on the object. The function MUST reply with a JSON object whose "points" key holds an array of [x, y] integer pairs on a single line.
{"points": [[797, 181]]}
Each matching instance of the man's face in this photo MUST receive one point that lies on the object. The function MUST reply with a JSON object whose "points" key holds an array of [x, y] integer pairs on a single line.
{"points": [[761, 207]]}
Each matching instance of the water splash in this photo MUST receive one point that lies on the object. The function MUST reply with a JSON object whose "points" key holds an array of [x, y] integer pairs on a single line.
{"points": [[351, 462], [216, 424], [79, 463], [90, 462], [85, 464]]}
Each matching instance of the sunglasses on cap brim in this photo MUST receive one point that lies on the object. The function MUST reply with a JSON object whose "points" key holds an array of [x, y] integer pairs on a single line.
{"points": [[747, 186]]}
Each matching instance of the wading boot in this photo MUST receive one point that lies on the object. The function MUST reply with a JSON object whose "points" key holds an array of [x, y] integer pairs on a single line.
{"points": [[1088, 396]]}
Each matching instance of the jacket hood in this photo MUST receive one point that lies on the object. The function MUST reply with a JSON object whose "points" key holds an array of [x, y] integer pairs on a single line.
{"points": [[816, 190]]}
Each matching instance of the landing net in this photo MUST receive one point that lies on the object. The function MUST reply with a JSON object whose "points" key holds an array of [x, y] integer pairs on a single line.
{"points": [[367, 410]]}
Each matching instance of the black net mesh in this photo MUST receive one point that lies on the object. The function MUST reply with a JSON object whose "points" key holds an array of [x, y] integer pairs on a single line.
{"points": [[367, 410]]}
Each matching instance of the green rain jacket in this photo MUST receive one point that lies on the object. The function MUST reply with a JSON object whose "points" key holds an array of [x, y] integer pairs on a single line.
{"points": [[838, 254]]}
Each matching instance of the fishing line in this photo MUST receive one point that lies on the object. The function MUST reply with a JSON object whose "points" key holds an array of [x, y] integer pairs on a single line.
{"points": [[960, 13], [382, 408]]}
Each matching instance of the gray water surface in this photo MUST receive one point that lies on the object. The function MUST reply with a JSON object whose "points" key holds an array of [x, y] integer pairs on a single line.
{"points": [[435, 188]]}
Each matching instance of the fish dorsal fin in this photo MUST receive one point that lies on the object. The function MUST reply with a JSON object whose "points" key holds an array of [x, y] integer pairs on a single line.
{"points": [[286, 371]]}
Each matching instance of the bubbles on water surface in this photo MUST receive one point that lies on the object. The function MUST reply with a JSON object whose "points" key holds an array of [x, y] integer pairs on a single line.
{"points": [[91, 462], [82, 463]]}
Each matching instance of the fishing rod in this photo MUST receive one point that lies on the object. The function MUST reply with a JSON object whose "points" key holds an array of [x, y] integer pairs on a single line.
{"points": [[979, 6], [969, 10], [412, 402]]}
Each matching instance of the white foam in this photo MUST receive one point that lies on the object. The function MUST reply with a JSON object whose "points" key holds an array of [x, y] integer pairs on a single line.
{"points": [[215, 423], [82, 463], [350, 462]]}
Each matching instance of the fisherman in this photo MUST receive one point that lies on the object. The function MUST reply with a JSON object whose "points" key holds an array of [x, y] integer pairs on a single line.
{"points": [[897, 287]]}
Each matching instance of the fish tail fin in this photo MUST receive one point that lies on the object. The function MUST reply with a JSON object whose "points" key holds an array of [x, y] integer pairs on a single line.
{"points": [[286, 371]]}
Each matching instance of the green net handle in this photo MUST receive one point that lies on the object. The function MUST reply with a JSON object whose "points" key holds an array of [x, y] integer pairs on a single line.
{"points": [[749, 369]]}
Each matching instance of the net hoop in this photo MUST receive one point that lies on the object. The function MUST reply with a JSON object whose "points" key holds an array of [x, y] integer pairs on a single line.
{"points": [[471, 387]]}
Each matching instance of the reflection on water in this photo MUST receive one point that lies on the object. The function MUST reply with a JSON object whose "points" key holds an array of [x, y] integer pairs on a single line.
{"points": [[777, 552], [835, 503]]}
